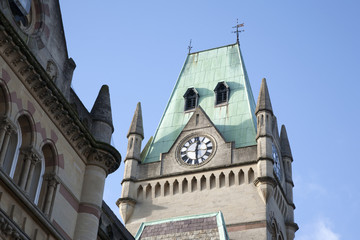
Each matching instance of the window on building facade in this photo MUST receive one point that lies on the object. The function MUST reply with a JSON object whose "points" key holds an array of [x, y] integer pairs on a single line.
{"points": [[221, 93], [191, 99]]}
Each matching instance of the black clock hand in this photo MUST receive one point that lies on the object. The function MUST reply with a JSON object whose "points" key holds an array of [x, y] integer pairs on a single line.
{"points": [[196, 149]]}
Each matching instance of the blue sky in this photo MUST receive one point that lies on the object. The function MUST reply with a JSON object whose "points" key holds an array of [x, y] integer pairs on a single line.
{"points": [[308, 51]]}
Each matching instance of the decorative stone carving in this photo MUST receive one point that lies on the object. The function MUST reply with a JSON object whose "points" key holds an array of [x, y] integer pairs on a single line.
{"points": [[26, 69], [103, 160], [7, 229], [10, 50], [52, 70]]}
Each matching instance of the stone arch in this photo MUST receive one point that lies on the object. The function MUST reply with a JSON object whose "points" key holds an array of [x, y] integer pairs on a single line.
{"points": [[241, 177], [212, 181], [251, 175], [193, 184], [49, 181], [140, 193], [25, 148], [231, 178], [184, 185], [148, 191], [4, 99], [8, 137], [222, 180], [202, 183], [157, 190], [175, 187], [166, 188]]}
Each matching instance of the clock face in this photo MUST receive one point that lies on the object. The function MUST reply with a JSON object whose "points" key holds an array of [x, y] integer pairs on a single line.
{"points": [[277, 166], [196, 150]]}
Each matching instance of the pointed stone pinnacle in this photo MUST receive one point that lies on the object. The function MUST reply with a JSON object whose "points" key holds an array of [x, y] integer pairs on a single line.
{"points": [[263, 102], [102, 108], [284, 143], [137, 123]]}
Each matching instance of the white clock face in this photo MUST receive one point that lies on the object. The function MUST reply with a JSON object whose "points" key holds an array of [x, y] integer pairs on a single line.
{"points": [[196, 150], [277, 166]]}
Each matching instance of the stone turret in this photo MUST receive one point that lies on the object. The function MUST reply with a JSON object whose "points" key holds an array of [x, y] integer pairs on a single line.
{"points": [[102, 127], [265, 181], [135, 136], [287, 158]]}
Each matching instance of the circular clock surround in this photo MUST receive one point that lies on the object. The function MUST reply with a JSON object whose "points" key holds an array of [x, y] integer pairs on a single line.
{"points": [[196, 150]]}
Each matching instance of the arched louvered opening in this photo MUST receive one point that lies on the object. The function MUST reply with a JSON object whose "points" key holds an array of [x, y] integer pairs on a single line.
{"points": [[212, 181], [140, 193], [251, 175], [221, 93], [185, 186], [221, 180], [193, 184], [148, 191], [157, 190], [231, 178], [175, 187], [202, 183], [166, 188], [241, 177], [191, 99]]}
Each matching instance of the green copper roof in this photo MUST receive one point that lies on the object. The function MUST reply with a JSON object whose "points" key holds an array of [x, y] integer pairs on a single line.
{"points": [[165, 229], [204, 70]]}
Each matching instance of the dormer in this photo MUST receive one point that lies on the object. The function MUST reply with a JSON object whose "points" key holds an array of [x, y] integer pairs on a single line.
{"points": [[191, 97], [222, 92]]}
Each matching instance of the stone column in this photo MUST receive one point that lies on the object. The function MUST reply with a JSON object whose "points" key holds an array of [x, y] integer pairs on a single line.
{"points": [[34, 160], [52, 184], [25, 172], [91, 197]]}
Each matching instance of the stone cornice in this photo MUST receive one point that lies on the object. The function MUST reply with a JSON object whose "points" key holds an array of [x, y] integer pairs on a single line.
{"points": [[19, 58]]}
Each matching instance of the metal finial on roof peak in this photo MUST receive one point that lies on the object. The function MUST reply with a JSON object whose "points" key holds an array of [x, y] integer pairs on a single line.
{"points": [[190, 47], [237, 30]]}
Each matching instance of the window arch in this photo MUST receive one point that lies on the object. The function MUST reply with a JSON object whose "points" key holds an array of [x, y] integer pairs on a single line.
{"points": [[222, 92], [24, 150], [48, 180], [4, 99], [8, 138], [191, 99]]}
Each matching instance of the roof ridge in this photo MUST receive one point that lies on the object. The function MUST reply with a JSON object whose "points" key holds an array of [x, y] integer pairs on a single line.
{"points": [[210, 49]]}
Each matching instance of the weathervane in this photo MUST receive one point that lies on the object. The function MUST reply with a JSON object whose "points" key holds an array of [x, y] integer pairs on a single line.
{"points": [[237, 29], [190, 47]]}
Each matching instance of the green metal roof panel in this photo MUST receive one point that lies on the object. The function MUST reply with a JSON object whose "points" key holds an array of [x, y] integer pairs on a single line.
{"points": [[204, 70], [194, 227]]}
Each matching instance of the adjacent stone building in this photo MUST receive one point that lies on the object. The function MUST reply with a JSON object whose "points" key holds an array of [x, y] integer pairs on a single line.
{"points": [[215, 150], [54, 154]]}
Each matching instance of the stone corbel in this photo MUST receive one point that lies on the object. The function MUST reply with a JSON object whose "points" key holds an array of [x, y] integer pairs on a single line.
{"points": [[103, 160]]}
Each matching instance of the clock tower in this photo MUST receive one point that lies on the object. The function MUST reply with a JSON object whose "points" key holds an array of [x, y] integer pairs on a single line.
{"points": [[214, 151]]}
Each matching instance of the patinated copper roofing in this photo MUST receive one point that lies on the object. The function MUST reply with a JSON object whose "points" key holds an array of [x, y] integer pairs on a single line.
{"points": [[200, 227], [204, 70]]}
